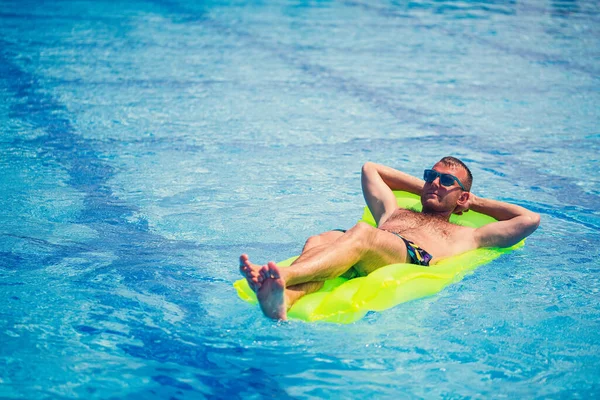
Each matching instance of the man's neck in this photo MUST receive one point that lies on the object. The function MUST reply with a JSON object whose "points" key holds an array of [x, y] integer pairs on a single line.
{"points": [[438, 215]]}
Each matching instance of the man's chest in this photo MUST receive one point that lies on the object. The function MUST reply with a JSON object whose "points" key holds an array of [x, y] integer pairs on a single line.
{"points": [[407, 221]]}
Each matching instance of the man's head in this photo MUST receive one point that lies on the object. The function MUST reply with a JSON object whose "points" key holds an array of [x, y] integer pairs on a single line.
{"points": [[447, 187]]}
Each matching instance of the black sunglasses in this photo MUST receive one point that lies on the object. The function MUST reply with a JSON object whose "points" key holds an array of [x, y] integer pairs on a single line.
{"points": [[445, 179]]}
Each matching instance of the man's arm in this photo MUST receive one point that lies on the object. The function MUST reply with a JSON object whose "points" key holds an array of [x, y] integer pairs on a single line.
{"points": [[378, 181], [514, 224]]}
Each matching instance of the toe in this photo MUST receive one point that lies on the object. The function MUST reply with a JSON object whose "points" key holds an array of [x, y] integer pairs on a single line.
{"points": [[264, 272], [274, 270]]}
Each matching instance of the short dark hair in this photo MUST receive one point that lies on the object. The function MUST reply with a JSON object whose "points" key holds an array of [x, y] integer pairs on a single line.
{"points": [[456, 163]]}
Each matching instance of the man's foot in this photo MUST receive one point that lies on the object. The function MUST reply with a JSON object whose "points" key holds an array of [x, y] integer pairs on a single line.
{"points": [[271, 294], [251, 272]]}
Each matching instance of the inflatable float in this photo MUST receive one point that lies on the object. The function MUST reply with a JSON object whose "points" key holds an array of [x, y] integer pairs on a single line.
{"points": [[346, 301]]}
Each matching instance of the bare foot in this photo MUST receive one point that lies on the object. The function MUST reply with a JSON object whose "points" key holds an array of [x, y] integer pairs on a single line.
{"points": [[271, 294], [251, 272]]}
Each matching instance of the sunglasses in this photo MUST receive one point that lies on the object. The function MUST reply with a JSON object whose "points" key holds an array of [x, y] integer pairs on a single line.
{"points": [[445, 179]]}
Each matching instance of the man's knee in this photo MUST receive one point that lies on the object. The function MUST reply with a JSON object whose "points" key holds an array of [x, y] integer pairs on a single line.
{"points": [[362, 233], [321, 239], [362, 228], [312, 241]]}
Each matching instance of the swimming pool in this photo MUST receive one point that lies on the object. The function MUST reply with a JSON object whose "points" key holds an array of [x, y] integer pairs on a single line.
{"points": [[145, 145]]}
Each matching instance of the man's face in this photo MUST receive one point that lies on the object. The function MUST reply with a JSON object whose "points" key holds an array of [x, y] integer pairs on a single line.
{"points": [[438, 198]]}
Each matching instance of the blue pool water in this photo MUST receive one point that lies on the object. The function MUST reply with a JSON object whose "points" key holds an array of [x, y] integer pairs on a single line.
{"points": [[145, 144]]}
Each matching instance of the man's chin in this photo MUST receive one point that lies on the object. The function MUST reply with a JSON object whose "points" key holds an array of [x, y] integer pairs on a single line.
{"points": [[430, 201], [431, 205]]}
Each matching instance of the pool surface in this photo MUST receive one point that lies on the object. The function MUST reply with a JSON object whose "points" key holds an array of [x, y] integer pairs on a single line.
{"points": [[144, 145]]}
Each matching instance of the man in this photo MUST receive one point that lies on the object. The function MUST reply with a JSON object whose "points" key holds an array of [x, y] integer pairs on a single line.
{"points": [[401, 236]]}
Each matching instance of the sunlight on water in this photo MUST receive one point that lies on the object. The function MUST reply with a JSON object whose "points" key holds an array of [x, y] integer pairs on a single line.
{"points": [[145, 145]]}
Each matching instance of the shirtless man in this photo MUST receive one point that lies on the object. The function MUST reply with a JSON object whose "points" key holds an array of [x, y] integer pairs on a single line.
{"points": [[401, 235]]}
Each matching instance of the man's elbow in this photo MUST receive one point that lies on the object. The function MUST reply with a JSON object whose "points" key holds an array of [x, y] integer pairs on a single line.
{"points": [[368, 168], [533, 220]]}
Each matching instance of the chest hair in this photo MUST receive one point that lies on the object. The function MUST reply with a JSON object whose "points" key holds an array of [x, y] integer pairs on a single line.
{"points": [[406, 221]]}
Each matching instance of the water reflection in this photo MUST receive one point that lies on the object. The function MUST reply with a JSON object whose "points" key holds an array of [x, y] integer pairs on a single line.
{"points": [[564, 8]]}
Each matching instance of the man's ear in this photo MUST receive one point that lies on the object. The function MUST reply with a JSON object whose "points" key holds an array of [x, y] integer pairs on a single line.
{"points": [[462, 204], [464, 198]]}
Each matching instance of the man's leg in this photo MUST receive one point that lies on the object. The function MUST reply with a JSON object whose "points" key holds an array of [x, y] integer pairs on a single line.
{"points": [[292, 293], [321, 239], [251, 271], [363, 246]]}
